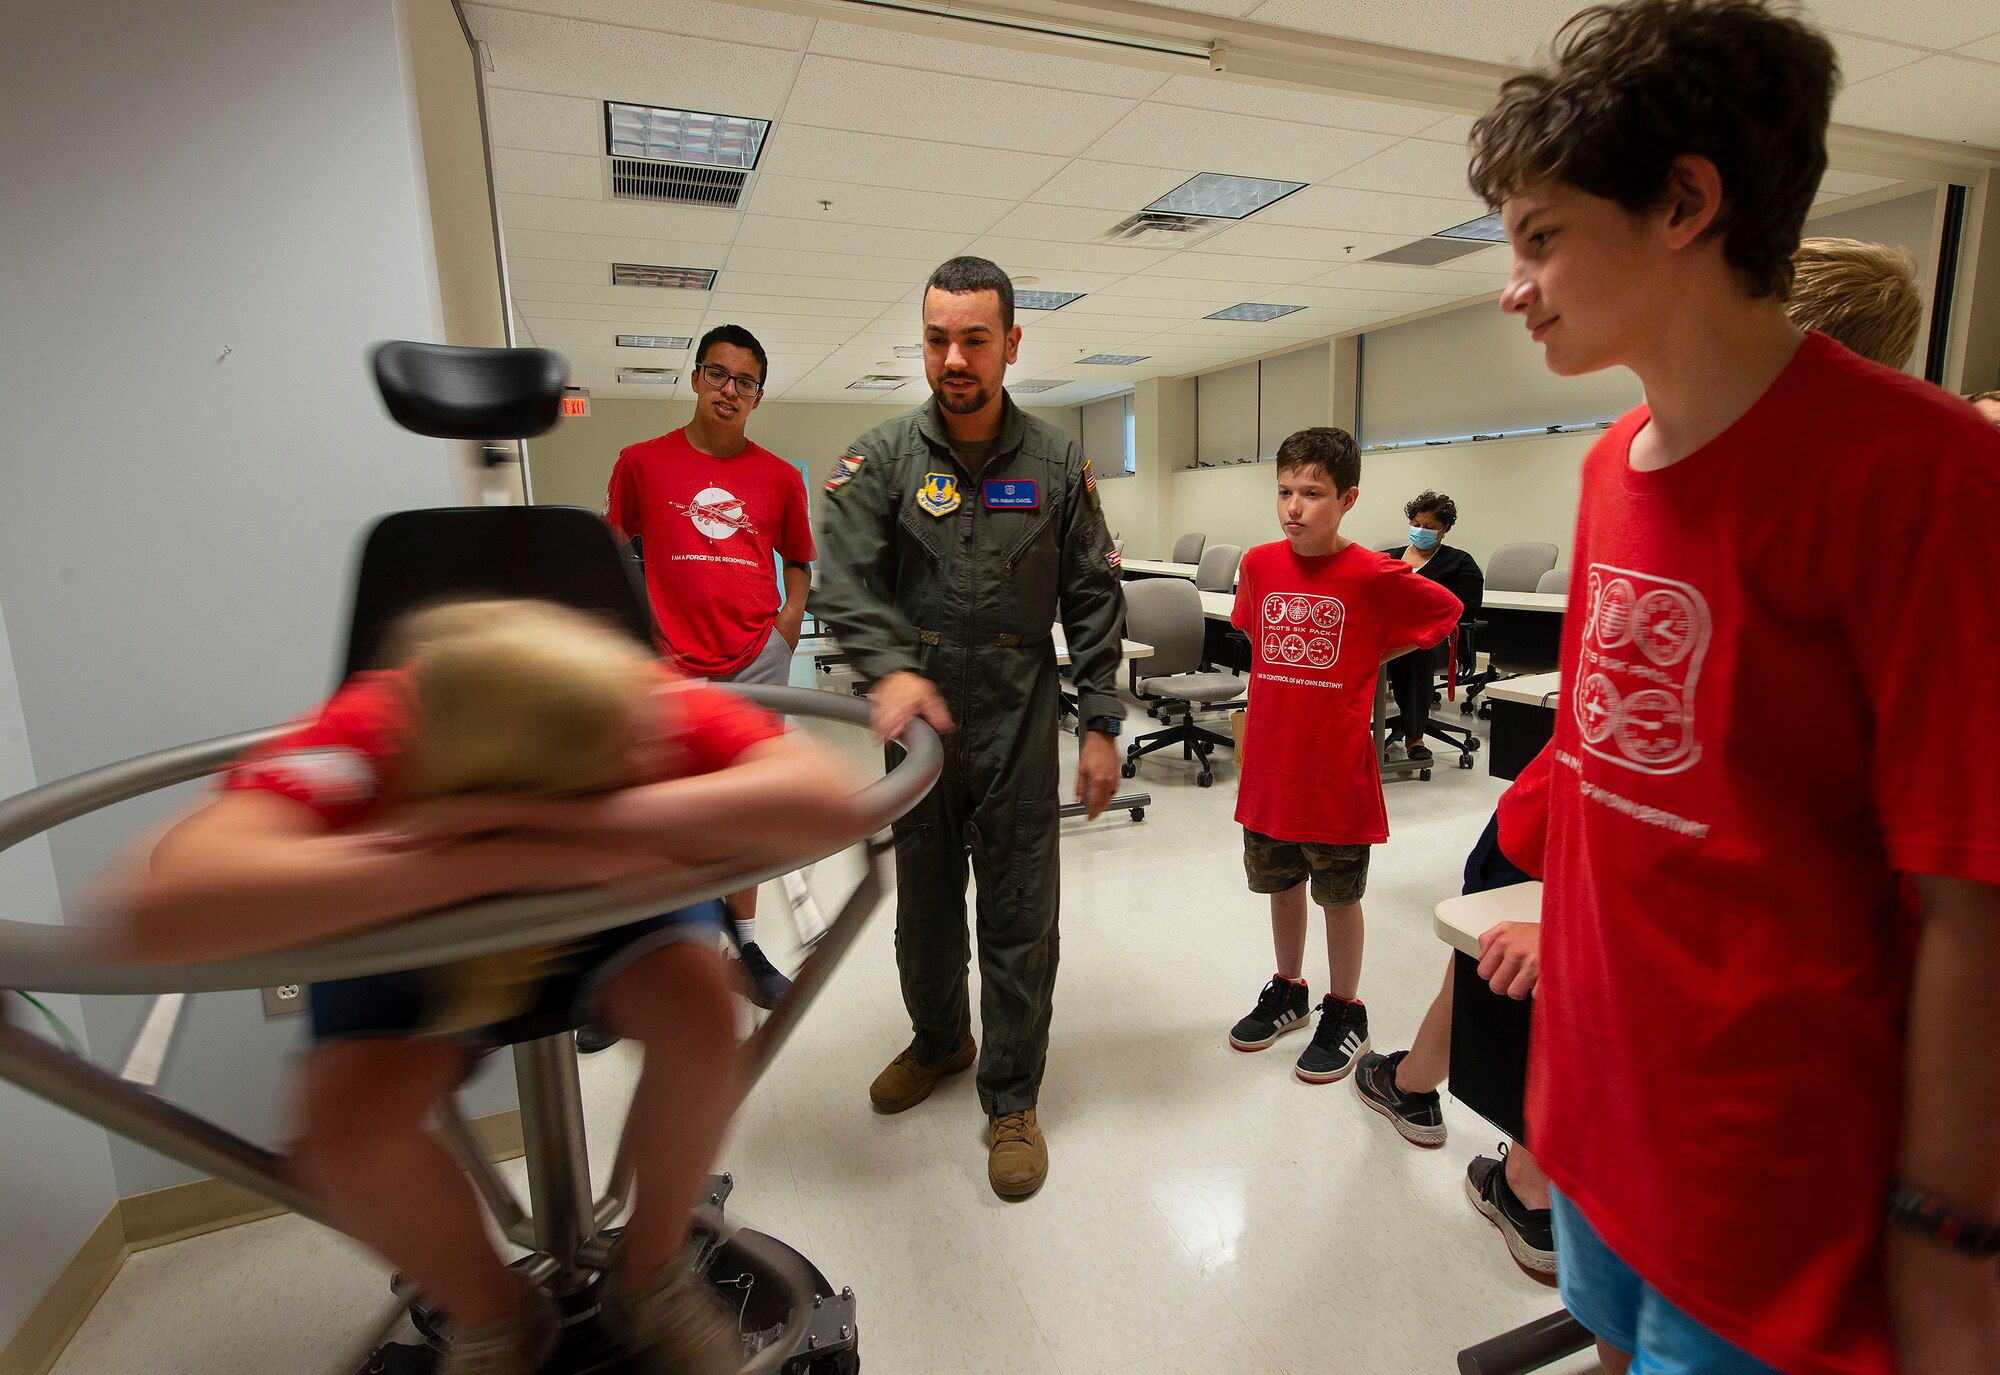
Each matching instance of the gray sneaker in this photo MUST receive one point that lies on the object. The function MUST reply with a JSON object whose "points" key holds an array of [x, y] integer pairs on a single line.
{"points": [[520, 1345], [677, 1324]]}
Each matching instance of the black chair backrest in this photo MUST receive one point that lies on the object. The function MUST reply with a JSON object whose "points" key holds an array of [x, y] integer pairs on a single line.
{"points": [[558, 553], [448, 391]]}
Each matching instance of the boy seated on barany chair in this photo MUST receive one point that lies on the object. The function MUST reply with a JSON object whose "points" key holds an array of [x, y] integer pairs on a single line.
{"points": [[518, 746]]}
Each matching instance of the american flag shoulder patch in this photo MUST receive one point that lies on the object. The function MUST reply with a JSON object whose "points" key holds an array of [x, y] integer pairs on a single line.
{"points": [[1111, 559], [1089, 478], [844, 468]]}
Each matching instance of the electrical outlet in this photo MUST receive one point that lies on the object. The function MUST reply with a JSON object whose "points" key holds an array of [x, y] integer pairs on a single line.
{"points": [[284, 1000]]}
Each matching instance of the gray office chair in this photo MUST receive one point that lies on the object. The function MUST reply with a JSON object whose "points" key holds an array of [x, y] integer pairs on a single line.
{"points": [[1555, 580], [1518, 567], [1166, 614], [1187, 549], [1217, 571]]}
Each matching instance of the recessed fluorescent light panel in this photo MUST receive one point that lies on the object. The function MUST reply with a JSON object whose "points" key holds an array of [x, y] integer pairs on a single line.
{"points": [[1045, 300], [1252, 310], [676, 278], [1116, 359], [1224, 197], [877, 382], [1486, 229], [689, 136], [1037, 384], [652, 341], [657, 377]]}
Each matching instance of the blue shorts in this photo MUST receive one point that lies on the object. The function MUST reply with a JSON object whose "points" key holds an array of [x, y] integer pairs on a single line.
{"points": [[386, 1005], [1604, 1294]]}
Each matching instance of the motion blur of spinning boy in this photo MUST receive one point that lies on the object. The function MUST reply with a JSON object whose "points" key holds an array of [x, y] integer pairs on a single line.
{"points": [[517, 746]]}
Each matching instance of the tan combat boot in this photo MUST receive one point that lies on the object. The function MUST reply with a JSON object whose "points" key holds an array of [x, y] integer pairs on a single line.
{"points": [[1017, 1159], [908, 1081]]}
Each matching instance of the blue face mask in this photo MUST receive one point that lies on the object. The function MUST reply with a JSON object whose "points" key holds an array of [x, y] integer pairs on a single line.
{"points": [[1422, 538]]}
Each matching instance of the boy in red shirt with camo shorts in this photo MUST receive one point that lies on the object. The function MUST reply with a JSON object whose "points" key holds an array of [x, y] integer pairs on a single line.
{"points": [[1759, 1078], [1322, 614]]}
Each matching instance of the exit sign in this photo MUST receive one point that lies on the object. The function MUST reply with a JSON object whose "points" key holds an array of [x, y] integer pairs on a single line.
{"points": [[575, 401]]}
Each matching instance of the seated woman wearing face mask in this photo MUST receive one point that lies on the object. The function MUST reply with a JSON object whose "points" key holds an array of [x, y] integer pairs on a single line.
{"points": [[1431, 517]]}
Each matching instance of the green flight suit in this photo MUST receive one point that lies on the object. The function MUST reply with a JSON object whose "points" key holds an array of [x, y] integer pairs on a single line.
{"points": [[959, 576]]}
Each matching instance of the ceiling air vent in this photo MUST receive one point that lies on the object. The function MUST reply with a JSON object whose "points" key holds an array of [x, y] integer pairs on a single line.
{"points": [[672, 183], [1429, 252], [1161, 229]]}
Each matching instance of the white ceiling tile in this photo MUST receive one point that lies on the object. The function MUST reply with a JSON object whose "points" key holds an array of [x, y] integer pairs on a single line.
{"points": [[1300, 244], [853, 314], [832, 93], [1198, 265], [800, 197], [1947, 98], [1111, 185], [1168, 290], [1414, 167], [1378, 212], [1300, 107], [606, 249], [1495, 261], [1511, 32], [1229, 9], [706, 18], [1174, 136], [638, 313], [1451, 129], [938, 54], [828, 288], [1042, 257], [534, 296], [890, 272], [821, 236], [1861, 58], [586, 272], [549, 174], [1934, 24], [618, 219], [1395, 277], [1852, 183], [1147, 304], [533, 52], [1986, 49], [1056, 223], [552, 123], [563, 334], [913, 164]]}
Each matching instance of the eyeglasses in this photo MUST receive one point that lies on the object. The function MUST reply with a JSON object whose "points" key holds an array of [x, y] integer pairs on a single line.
{"points": [[746, 387]]}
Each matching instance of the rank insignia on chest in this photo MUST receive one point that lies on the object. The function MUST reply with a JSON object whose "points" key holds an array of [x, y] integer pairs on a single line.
{"points": [[1012, 494], [844, 468], [939, 494]]}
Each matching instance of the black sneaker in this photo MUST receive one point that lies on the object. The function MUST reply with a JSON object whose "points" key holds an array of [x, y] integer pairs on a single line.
{"points": [[1283, 1006], [768, 983], [1418, 1116], [1530, 1235], [1419, 754], [1342, 1035]]}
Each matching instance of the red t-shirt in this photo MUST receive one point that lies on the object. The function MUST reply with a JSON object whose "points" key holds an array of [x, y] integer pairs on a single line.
{"points": [[1756, 733], [341, 762], [1524, 817], [1318, 629], [711, 526]]}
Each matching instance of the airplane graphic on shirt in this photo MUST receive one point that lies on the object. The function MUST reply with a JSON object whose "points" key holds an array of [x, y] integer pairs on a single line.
{"points": [[717, 513]]}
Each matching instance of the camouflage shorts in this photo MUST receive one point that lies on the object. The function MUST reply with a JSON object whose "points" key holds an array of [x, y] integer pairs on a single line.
{"points": [[1339, 873]]}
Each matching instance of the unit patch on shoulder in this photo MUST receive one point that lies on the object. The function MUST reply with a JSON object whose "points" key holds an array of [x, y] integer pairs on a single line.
{"points": [[1090, 488], [844, 468], [1111, 559], [939, 494]]}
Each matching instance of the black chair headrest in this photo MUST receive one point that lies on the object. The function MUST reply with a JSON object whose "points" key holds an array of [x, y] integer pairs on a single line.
{"points": [[451, 392]]}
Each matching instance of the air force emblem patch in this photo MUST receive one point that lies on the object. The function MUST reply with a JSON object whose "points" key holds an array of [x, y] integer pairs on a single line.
{"points": [[939, 494]]}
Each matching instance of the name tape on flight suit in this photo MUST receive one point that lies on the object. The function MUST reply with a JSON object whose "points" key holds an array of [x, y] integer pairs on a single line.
{"points": [[1012, 494]]}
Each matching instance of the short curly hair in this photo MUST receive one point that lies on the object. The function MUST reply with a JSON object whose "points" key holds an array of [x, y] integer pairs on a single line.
{"points": [[1433, 504], [1636, 85]]}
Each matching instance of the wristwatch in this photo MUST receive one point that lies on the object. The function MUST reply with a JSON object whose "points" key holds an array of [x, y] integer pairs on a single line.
{"points": [[1924, 1212], [1106, 725]]}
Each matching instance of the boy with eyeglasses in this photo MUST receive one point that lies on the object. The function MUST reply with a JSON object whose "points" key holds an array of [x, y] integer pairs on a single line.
{"points": [[711, 509]]}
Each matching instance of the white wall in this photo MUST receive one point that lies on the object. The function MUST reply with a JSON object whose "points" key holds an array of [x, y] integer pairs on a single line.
{"points": [[58, 1181], [178, 524]]}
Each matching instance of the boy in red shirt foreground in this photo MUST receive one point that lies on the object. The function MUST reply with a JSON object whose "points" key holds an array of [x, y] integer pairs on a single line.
{"points": [[1322, 614], [1764, 1098], [520, 746]]}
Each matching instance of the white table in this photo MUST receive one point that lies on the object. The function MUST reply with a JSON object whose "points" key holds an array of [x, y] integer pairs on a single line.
{"points": [[1460, 922], [1217, 606], [1557, 602], [1536, 690], [1154, 568]]}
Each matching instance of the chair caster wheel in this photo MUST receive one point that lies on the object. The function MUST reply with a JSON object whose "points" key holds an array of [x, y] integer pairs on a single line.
{"points": [[1485, 711], [1204, 779], [1465, 708], [1465, 761], [1138, 813], [1128, 769], [1424, 774], [1474, 744]]}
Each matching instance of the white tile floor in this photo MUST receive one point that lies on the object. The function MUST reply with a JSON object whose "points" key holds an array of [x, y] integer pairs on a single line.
{"points": [[1206, 1214]]}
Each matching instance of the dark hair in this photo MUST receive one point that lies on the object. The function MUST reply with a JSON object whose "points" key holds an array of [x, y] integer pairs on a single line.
{"points": [[1332, 451], [1637, 85], [1433, 504], [739, 337], [962, 276]]}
